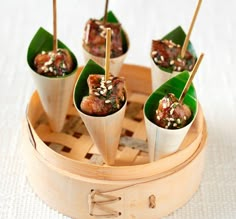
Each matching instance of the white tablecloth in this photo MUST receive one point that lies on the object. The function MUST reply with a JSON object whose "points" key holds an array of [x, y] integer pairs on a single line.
{"points": [[144, 20]]}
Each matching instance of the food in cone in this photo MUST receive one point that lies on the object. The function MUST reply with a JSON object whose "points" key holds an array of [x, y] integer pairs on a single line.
{"points": [[94, 42], [167, 119], [166, 60], [101, 105], [171, 114], [54, 74]]}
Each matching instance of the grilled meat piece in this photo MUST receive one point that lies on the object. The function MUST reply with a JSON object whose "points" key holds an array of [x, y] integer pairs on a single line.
{"points": [[94, 40], [171, 114], [105, 97], [51, 64], [166, 53]]}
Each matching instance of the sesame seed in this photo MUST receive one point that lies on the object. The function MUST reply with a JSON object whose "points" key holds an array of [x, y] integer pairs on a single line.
{"points": [[175, 68], [162, 58], [155, 59], [110, 87], [178, 121], [96, 93], [178, 45], [164, 105], [50, 69], [154, 53], [45, 69], [179, 60], [179, 68], [169, 123], [185, 118], [158, 118], [172, 119], [175, 124], [108, 81], [107, 101], [166, 127], [172, 111], [43, 53], [170, 46], [172, 62], [118, 105]]}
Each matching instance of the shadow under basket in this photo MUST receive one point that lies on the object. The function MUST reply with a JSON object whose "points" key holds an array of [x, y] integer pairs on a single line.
{"points": [[66, 170]]}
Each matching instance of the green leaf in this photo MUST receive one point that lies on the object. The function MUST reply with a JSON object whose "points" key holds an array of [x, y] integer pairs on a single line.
{"points": [[111, 18], [81, 86], [178, 36], [43, 41], [175, 85]]}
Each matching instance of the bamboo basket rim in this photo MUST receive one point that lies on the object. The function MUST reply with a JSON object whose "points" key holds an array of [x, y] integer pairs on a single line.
{"points": [[111, 173]]}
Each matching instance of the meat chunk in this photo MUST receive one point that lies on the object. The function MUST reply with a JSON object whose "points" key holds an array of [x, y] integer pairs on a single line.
{"points": [[94, 40], [54, 64], [171, 114], [105, 97], [166, 53]]}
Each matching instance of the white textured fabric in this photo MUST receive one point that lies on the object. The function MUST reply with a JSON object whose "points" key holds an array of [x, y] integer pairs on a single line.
{"points": [[214, 34]]}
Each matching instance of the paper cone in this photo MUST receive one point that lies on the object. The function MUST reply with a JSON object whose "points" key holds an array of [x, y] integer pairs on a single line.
{"points": [[55, 95], [105, 132], [160, 76], [115, 63], [163, 142], [54, 92]]}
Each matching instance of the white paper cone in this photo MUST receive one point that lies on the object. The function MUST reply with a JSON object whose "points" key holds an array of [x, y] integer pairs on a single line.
{"points": [[159, 76], [105, 132], [55, 95], [163, 142]]}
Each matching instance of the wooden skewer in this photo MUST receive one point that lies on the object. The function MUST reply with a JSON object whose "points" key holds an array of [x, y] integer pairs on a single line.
{"points": [[55, 26], [105, 12], [186, 41], [108, 52], [187, 85]]}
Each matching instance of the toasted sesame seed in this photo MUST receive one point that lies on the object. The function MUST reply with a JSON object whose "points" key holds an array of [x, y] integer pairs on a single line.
{"points": [[154, 53], [179, 68], [178, 121], [162, 58], [107, 101], [108, 81], [110, 87], [172, 111], [172, 62], [155, 59]]}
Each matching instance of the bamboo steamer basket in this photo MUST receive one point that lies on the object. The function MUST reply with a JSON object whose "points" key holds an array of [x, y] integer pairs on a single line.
{"points": [[67, 172]]}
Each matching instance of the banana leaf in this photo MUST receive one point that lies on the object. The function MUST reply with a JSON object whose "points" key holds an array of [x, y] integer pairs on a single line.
{"points": [[81, 86], [111, 18], [175, 85], [43, 41], [178, 36]]}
